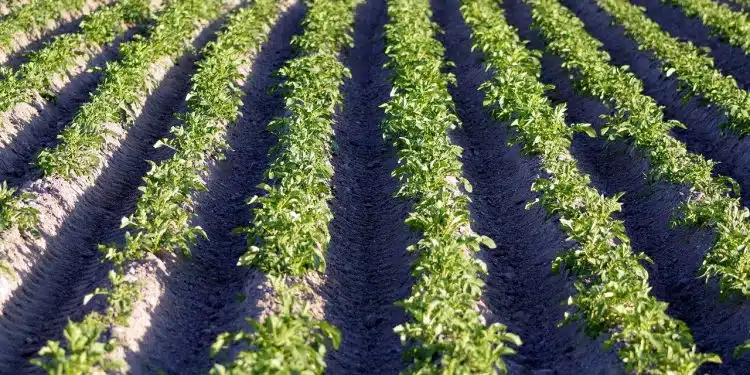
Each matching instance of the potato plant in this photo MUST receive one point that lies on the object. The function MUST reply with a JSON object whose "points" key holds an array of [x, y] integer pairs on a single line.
{"points": [[694, 67], [731, 25], [446, 332], [639, 120], [289, 232], [126, 83], [613, 290], [31, 19], [36, 77]]}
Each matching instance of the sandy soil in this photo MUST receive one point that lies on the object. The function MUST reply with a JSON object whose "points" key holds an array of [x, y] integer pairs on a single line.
{"points": [[186, 302]]}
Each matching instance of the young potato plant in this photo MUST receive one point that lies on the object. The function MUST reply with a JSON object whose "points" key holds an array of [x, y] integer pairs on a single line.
{"points": [[447, 332], [83, 353], [289, 232], [37, 76], [31, 19], [15, 211], [639, 120], [731, 25], [694, 67], [290, 341], [613, 289], [164, 212], [126, 84]]}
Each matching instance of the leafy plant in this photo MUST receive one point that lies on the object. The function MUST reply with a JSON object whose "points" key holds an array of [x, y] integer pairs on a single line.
{"points": [[288, 342], [447, 332], [54, 60], [693, 66], [31, 19], [732, 26], [83, 354], [15, 210], [289, 232], [613, 290], [639, 120], [126, 84]]}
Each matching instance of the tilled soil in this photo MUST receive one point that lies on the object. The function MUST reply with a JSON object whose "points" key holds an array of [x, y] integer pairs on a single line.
{"points": [[187, 301]]}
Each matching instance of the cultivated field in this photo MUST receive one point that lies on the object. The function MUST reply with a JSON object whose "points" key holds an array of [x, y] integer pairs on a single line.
{"points": [[374, 187]]}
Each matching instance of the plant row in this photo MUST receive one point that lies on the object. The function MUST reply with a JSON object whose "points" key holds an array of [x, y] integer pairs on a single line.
{"points": [[694, 67], [37, 76], [639, 120], [126, 84], [289, 232], [83, 351], [162, 220], [733, 26], [447, 332], [613, 289], [31, 19]]}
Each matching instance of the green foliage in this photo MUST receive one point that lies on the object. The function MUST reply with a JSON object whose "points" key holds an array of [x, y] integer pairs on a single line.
{"points": [[638, 119], [289, 232], [15, 211], [447, 332], [613, 291], [288, 342], [84, 354], [163, 214], [694, 67], [732, 26], [126, 83], [33, 18], [36, 77]]}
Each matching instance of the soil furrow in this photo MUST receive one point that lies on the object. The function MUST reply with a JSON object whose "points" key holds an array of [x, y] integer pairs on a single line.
{"points": [[521, 292], [368, 264], [31, 40], [730, 60], [200, 298], [647, 208], [21, 56], [63, 264], [703, 135], [39, 122]]}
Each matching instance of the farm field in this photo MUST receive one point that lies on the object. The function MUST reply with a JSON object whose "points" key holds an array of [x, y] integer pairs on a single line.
{"points": [[374, 186]]}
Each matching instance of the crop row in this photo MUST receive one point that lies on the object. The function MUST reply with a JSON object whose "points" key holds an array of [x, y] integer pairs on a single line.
{"points": [[111, 108], [447, 332], [734, 26], [38, 76], [694, 67], [30, 20], [125, 86], [613, 289], [289, 232], [162, 220], [638, 119]]}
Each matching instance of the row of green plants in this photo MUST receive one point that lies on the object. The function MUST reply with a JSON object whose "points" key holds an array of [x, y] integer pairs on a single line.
{"points": [[212, 104], [613, 288], [288, 235], [732, 26], [713, 200], [446, 332], [37, 76], [694, 68], [32, 19], [126, 84], [162, 219]]}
